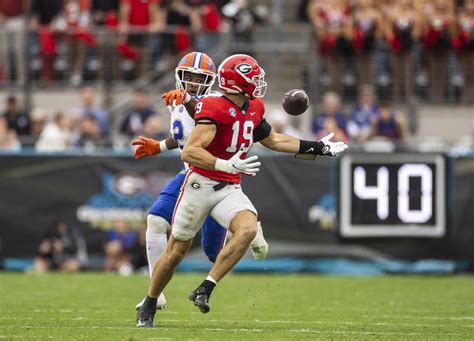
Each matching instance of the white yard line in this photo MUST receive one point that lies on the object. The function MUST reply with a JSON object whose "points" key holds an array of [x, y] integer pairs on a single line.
{"points": [[245, 330]]}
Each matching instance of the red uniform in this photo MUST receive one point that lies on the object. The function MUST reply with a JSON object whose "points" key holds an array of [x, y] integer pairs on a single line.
{"points": [[234, 130], [139, 11]]}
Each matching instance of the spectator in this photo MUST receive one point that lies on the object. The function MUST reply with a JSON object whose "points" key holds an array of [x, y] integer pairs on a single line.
{"points": [[119, 248], [56, 136], [332, 23], [136, 116], [90, 135], [16, 119], [244, 18], [331, 126], [38, 122], [359, 126], [44, 16], [437, 30], [212, 24], [464, 43], [62, 249], [389, 123], [155, 128], [105, 19], [138, 18], [181, 19], [88, 108], [8, 138], [75, 22], [366, 29], [281, 124], [401, 28], [331, 108], [12, 38]]}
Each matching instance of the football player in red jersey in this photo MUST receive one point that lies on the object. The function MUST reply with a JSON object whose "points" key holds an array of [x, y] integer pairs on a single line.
{"points": [[225, 129]]}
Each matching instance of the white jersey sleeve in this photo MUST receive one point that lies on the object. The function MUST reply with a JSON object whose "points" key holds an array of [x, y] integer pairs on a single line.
{"points": [[181, 125]]}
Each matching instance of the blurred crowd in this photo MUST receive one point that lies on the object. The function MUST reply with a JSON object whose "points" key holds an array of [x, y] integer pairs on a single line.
{"points": [[82, 40], [88, 126], [63, 248], [401, 43], [367, 120]]}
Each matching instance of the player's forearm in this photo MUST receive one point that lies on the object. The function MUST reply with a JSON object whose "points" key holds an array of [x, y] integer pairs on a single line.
{"points": [[190, 107], [281, 143], [198, 157], [171, 143]]}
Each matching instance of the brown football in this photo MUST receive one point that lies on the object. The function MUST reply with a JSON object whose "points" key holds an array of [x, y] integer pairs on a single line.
{"points": [[295, 102]]}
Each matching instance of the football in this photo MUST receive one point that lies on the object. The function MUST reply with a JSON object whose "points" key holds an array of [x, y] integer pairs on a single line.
{"points": [[295, 102]]}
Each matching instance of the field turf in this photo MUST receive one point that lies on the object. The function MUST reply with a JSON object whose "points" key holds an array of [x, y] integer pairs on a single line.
{"points": [[258, 307]]}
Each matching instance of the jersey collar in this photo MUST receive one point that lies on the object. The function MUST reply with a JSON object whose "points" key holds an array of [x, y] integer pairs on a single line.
{"points": [[244, 107]]}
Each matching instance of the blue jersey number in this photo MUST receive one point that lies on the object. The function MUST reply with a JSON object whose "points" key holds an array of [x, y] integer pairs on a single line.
{"points": [[178, 133]]}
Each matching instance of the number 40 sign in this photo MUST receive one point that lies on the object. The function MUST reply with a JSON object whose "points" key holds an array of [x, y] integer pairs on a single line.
{"points": [[392, 195]]}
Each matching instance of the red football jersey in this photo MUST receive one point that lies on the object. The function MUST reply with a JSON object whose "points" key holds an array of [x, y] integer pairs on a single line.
{"points": [[234, 130]]}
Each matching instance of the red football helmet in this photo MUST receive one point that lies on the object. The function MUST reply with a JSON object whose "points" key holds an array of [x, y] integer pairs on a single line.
{"points": [[241, 73]]}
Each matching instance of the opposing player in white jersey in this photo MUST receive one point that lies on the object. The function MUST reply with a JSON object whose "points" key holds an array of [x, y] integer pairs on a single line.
{"points": [[195, 75]]}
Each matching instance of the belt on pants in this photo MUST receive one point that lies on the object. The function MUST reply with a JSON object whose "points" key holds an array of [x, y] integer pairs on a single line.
{"points": [[221, 185]]}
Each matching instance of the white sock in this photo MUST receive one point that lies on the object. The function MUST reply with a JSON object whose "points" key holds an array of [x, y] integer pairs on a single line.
{"points": [[156, 240], [209, 278]]}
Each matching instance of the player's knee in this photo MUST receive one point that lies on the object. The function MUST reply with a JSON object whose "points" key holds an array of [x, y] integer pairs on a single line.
{"points": [[246, 229], [156, 224]]}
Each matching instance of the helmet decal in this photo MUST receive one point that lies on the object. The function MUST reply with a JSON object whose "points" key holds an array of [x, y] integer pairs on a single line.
{"points": [[244, 68]]}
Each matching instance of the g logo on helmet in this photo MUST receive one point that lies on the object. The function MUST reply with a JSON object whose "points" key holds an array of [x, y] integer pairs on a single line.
{"points": [[244, 68]]}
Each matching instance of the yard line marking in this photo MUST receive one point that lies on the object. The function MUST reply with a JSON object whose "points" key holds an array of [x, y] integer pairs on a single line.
{"points": [[455, 318], [251, 330], [273, 315], [355, 323], [244, 321]]}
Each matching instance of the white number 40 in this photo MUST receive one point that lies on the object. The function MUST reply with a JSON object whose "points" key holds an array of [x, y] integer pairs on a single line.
{"points": [[381, 191]]}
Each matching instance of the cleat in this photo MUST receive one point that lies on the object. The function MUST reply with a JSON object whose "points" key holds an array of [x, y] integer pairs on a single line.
{"points": [[145, 318], [259, 245], [200, 297], [160, 303]]}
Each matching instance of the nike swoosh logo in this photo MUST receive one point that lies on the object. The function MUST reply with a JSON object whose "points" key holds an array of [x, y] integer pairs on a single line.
{"points": [[309, 150], [252, 113]]}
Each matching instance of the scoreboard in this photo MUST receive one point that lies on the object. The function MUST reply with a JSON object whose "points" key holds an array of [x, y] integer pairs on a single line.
{"points": [[392, 195]]}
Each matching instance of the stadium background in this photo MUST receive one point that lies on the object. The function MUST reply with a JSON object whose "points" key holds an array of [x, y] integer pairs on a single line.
{"points": [[74, 75]]}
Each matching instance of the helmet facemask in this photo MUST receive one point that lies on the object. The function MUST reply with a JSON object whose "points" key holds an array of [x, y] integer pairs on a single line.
{"points": [[260, 85], [194, 88]]}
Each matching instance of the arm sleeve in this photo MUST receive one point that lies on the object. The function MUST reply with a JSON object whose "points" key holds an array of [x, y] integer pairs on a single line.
{"points": [[205, 112], [262, 131]]}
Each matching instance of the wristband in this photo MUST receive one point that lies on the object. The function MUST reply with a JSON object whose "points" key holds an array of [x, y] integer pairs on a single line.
{"points": [[311, 147], [221, 165], [163, 146], [309, 150], [187, 98]]}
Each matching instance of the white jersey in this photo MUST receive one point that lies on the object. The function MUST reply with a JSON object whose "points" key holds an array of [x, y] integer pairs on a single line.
{"points": [[181, 123]]}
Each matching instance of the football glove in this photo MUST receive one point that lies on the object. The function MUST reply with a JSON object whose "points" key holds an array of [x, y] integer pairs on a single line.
{"points": [[176, 97], [332, 148], [146, 147], [235, 165], [310, 149]]}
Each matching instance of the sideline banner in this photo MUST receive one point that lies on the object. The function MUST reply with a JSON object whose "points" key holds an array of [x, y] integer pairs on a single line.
{"points": [[296, 200]]}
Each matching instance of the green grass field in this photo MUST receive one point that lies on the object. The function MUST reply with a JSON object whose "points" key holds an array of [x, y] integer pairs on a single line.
{"points": [[260, 307]]}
